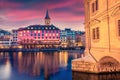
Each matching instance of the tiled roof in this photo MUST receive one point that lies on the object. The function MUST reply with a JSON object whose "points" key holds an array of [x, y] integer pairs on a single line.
{"points": [[40, 27], [5, 32]]}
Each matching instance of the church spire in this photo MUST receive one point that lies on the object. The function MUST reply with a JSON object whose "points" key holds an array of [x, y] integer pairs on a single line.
{"points": [[47, 15], [47, 18]]}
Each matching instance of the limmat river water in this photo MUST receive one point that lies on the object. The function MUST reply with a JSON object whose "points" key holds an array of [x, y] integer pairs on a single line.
{"points": [[44, 66]]}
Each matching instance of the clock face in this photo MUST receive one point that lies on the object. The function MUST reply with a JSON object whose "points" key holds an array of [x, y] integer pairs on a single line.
{"points": [[47, 22]]}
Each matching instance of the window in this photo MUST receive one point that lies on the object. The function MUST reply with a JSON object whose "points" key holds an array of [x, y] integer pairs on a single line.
{"points": [[34, 34], [93, 33], [96, 33], [118, 27], [42, 34], [94, 6], [38, 34]]}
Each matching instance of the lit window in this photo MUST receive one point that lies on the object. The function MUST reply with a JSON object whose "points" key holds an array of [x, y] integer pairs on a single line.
{"points": [[24, 31], [27, 31], [57, 34], [53, 34], [46, 28], [38, 31], [49, 34], [35, 31], [46, 34], [31, 27], [118, 27]]}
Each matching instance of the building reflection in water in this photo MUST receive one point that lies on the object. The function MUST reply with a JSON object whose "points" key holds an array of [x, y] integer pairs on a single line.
{"points": [[35, 63], [39, 62], [5, 67], [86, 76]]}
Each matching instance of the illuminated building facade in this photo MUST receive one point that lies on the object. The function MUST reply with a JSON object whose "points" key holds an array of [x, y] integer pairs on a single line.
{"points": [[14, 37], [43, 35], [80, 38], [67, 36], [102, 26], [5, 39]]}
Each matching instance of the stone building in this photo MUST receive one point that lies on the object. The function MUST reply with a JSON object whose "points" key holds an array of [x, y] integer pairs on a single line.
{"points": [[102, 27], [39, 36]]}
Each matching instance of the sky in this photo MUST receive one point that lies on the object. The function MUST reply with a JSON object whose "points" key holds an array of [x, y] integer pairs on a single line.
{"points": [[15, 14]]}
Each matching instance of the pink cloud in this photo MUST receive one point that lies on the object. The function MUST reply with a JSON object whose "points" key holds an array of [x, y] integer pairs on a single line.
{"points": [[17, 15], [9, 5]]}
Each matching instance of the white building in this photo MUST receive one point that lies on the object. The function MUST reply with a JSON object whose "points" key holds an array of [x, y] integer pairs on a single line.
{"points": [[5, 39], [14, 37]]}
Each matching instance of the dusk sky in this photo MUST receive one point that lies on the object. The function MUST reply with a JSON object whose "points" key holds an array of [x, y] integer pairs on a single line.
{"points": [[21, 13]]}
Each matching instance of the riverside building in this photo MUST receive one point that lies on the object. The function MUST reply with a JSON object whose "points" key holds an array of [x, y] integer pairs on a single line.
{"points": [[102, 27], [39, 36]]}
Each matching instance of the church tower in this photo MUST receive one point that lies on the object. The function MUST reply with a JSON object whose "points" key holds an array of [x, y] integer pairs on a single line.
{"points": [[47, 18]]}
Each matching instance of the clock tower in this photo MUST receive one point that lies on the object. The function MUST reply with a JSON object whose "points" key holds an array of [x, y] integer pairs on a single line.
{"points": [[47, 18]]}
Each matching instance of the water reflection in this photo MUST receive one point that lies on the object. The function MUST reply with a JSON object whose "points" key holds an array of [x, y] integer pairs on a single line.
{"points": [[84, 76], [5, 66], [37, 64]]}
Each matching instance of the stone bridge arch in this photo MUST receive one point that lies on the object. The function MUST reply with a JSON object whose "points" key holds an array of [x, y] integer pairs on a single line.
{"points": [[108, 64]]}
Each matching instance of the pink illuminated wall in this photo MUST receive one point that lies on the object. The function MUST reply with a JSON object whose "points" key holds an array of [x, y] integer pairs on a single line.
{"points": [[29, 36]]}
